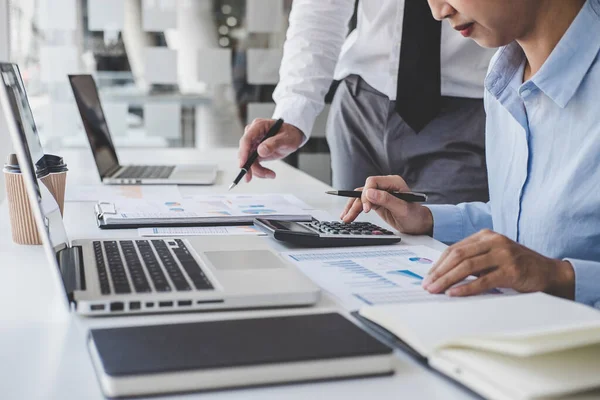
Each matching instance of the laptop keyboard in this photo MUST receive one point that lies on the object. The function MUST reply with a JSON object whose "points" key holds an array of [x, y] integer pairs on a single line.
{"points": [[171, 265], [129, 269], [146, 172]]}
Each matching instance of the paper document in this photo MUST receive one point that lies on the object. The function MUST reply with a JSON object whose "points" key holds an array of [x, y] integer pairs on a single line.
{"points": [[212, 206], [256, 204], [202, 231], [371, 275], [122, 192], [215, 209]]}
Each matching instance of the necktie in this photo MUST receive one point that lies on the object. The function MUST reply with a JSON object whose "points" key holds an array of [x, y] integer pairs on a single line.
{"points": [[418, 97]]}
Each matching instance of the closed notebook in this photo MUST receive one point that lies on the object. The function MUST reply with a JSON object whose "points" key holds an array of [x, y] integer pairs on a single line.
{"points": [[200, 210], [531, 346], [155, 359]]}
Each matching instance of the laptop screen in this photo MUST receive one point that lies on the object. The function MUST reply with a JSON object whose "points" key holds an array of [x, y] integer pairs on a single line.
{"points": [[17, 109], [94, 122]]}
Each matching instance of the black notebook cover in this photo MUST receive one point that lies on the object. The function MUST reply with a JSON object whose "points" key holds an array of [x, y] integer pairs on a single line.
{"points": [[223, 344]]}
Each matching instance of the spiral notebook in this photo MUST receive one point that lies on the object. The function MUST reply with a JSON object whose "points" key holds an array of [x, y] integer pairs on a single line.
{"points": [[209, 210]]}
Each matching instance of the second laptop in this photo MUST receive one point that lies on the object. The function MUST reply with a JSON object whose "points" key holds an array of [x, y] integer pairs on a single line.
{"points": [[111, 172]]}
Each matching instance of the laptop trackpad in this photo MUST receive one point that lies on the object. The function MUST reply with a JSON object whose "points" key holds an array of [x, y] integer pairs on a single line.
{"points": [[193, 172], [243, 259]]}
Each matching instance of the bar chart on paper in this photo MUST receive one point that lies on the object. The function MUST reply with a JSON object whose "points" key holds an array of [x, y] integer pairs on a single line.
{"points": [[370, 275]]}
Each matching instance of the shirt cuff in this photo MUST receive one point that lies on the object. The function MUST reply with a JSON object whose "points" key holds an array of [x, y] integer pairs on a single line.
{"points": [[587, 281], [299, 112], [447, 223]]}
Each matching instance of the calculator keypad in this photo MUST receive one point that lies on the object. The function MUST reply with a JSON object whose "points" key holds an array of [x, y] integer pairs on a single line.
{"points": [[352, 228]]}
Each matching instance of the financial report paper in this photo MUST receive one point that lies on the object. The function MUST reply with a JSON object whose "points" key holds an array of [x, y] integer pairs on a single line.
{"points": [[203, 231], [371, 275]]}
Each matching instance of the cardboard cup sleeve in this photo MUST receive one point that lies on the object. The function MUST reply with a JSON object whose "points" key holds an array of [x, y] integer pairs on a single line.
{"points": [[22, 222], [56, 184]]}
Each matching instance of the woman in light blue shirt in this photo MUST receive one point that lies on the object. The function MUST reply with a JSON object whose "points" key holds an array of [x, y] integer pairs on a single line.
{"points": [[540, 231]]}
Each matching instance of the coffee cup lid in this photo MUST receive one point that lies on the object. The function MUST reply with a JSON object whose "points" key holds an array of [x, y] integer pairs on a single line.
{"points": [[55, 163], [12, 165], [12, 160]]}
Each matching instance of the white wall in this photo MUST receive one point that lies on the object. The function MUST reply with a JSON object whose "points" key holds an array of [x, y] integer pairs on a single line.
{"points": [[5, 143]]}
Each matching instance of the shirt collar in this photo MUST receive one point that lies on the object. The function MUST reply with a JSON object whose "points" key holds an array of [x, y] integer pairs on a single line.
{"points": [[503, 69], [570, 60]]}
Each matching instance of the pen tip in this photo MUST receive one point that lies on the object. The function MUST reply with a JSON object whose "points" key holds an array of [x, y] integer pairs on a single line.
{"points": [[331, 192], [231, 186]]}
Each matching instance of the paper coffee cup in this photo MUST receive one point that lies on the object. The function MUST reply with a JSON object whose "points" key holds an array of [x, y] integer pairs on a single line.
{"points": [[23, 227], [52, 172], [56, 184], [56, 180]]}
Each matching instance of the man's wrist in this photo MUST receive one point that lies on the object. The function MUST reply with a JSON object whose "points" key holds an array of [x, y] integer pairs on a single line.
{"points": [[562, 283]]}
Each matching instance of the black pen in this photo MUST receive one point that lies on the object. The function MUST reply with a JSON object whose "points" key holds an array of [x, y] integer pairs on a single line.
{"points": [[409, 197], [272, 132]]}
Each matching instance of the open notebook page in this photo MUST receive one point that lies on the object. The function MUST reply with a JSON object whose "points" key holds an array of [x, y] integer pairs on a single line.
{"points": [[478, 322], [498, 376]]}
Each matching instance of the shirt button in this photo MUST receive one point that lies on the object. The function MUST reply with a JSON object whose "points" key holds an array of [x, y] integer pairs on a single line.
{"points": [[525, 93]]}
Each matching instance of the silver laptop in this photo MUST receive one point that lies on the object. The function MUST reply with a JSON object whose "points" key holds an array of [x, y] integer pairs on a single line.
{"points": [[105, 277], [103, 149]]}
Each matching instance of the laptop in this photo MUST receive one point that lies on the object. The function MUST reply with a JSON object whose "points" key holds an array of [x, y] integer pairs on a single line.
{"points": [[130, 276], [110, 170]]}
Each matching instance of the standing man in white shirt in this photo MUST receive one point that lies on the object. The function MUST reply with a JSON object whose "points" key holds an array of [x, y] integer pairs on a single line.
{"points": [[410, 101]]}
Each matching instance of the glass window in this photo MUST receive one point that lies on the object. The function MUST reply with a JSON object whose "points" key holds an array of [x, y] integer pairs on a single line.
{"points": [[170, 73], [198, 62]]}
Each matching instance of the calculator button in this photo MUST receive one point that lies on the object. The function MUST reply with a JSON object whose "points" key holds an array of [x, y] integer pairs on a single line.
{"points": [[377, 233], [355, 232], [366, 232]]}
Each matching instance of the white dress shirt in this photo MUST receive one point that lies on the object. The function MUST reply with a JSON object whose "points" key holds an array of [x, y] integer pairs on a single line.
{"points": [[318, 50]]}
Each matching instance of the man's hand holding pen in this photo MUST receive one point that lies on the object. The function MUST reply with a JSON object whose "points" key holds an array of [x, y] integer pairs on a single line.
{"points": [[286, 141]]}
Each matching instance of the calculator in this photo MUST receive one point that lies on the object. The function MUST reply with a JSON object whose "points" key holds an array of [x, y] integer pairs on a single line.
{"points": [[327, 234]]}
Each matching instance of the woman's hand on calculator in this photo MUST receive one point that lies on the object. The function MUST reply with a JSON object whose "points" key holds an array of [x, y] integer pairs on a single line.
{"points": [[411, 218]]}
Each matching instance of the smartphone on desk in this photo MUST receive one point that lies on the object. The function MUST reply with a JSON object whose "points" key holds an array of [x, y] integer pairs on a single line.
{"points": [[327, 234]]}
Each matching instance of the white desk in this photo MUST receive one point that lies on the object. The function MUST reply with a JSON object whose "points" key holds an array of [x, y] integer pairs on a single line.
{"points": [[43, 351]]}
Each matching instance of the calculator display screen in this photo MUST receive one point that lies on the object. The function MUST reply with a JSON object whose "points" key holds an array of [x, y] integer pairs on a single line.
{"points": [[294, 227]]}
